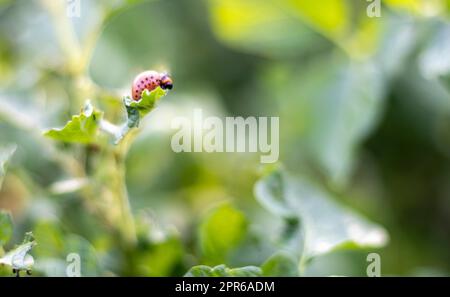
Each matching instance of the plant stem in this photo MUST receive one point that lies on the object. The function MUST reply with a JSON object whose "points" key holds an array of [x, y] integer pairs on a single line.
{"points": [[126, 226], [117, 183]]}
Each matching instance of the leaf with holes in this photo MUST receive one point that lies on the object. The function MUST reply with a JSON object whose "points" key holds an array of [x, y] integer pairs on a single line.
{"points": [[136, 110], [82, 128]]}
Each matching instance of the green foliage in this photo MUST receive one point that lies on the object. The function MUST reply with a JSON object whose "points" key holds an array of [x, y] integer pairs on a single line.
{"points": [[333, 22], [326, 225], [280, 264], [223, 271], [136, 110], [259, 27], [5, 155], [54, 247], [364, 115], [147, 102], [5, 227], [159, 258], [159, 252], [333, 126], [82, 128], [222, 229]]}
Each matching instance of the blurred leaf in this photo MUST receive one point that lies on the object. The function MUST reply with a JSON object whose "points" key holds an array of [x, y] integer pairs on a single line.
{"points": [[365, 39], [77, 245], [157, 258], [132, 40], [336, 103], [434, 61], [50, 238], [223, 271], [220, 232], [6, 227], [419, 7], [82, 128], [54, 247], [280, 264], [326, 225], [344, 22], [332, 21], [5, 155], [272, 195], [398, 41], [292, 27], [261, 26]]}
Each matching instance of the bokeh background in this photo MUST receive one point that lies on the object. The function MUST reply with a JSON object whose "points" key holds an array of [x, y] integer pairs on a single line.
{"points": [[364, 107]]}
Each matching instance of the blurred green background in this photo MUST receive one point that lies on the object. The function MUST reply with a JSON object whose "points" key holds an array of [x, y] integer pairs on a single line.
{"points": [[364, 107]]}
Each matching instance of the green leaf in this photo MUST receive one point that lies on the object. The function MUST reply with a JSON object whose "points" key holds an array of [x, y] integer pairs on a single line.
{"points": [[260, 26], [223, 271], [334, 108], [281, 264], [147, 102], [5, 227], [136, 110], [82, 128], [272, 195], [220, 232], [333, 21], [50, 238], [326, 225]]}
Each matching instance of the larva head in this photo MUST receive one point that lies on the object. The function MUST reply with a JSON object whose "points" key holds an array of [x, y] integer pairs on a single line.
{"points": [[149, 80], [166, 82]]}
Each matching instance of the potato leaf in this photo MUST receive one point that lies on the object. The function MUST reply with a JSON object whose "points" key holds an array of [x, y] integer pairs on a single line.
{"points": [[326, 225], [82, 128], [136, 110], [147, 102]]}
